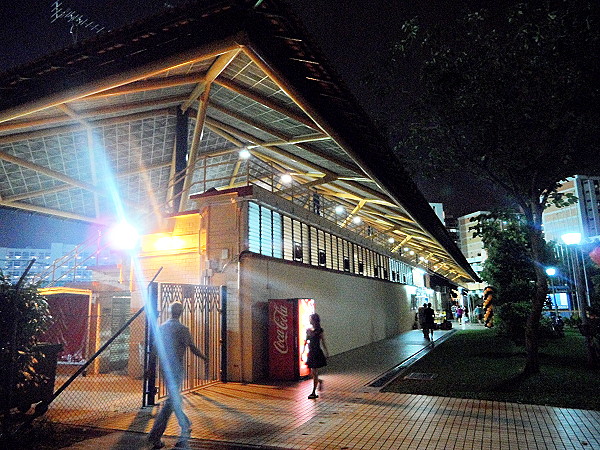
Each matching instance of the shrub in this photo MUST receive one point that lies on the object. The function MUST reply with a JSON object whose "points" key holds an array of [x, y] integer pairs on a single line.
{"points": [[24, 315], [574, 321], [510, 320]]}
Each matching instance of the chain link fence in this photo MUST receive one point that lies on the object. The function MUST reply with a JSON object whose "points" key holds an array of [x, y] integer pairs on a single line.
{"points": [[103, 371], [110, 382]]}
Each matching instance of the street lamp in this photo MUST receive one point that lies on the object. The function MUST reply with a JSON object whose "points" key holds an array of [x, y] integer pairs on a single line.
{"points": [[573, 239], [551, 271]]}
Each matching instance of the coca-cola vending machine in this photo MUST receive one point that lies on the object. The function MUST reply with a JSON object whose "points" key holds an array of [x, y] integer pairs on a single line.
{"points": [[288, 321]]}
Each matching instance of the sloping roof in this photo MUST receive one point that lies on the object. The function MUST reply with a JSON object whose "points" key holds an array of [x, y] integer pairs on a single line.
{"points": [[99, 121]]}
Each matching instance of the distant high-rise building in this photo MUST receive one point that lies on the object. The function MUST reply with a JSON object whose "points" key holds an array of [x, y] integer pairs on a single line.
{"points": [[449, 221], [472, 246], [581, 217], [438, 209], [14, 261], [452, 227]]}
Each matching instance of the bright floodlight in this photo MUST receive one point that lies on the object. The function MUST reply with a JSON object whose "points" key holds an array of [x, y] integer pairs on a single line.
{"points": [[551, 271], [412, 252], [339, 209], [406, 249], [391, 240], [571, 238], [357, 220], [167, 243], [286, 178], [123, 236], [244, 154]]}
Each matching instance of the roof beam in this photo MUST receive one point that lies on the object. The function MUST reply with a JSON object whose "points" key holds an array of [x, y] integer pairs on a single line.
{"points": [[48, 172], [78, 127], [52, 212], [302, 118], [89, 114], [284, 138], [66, 187], [152, 84], [126, 77], [234, 131], [193, 151], [213, 72], [91, 153]]}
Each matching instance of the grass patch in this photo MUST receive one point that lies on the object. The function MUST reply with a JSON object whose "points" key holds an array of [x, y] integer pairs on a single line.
{"points": [[480, 365]]}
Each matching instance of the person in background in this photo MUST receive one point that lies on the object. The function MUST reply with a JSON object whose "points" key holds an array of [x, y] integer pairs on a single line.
{"points": [[316, 358], [173, 339], [478, 313], [459, 313], [429, 322], [421, 316]]}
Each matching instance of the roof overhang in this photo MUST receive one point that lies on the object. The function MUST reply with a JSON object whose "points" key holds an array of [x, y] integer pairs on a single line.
{"points": [[94, 129]]}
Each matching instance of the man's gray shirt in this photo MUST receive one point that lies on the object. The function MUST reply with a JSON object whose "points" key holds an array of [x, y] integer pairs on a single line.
{"points": [[176, 338]]}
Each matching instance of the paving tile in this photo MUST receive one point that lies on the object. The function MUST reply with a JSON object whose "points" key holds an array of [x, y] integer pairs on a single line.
{"points": [[351, 415]]}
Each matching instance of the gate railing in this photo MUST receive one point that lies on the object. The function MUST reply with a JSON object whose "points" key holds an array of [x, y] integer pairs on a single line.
{"points": [[204, 313]]}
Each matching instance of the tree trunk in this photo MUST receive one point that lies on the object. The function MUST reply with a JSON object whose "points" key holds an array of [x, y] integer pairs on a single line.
{"points": [[532, 326]]}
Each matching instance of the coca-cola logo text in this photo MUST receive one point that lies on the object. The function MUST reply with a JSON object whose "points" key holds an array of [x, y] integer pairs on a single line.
{"points": [[280, 319]]}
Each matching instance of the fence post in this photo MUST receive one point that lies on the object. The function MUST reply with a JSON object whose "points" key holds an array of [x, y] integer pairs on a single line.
{"points": [[150, 356], [224, 334]]}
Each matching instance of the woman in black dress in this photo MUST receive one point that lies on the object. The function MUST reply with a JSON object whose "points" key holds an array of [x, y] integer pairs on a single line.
{"points": [[316, 358]]}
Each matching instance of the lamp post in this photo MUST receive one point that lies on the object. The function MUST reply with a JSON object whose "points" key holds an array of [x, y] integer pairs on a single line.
{"points": [[551, 271], [573, 239]]}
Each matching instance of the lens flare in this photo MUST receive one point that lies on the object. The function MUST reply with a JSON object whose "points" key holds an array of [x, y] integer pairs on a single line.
{"points": [[123, 236]]}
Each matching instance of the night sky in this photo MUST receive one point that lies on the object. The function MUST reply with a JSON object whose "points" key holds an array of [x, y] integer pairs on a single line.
{"points": [[352, 34]]}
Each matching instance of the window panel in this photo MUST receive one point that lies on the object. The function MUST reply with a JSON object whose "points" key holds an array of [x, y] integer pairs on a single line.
{"points": [[277, 235], [254, 227], [306, 243], [288, 251], [298, 256], [328, 251], [266, 232], [314, 246], [335, 262]]}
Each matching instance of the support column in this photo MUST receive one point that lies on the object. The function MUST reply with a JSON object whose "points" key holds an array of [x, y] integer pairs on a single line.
{"points": [[181, 150]]}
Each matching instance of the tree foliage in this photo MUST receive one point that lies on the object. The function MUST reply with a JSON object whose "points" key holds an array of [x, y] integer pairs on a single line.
{"points": [[508, 267], [24, 316], [511, 98]]}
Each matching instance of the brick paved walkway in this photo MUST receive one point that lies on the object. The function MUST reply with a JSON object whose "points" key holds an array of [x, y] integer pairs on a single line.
{"points": [[351, 415]]}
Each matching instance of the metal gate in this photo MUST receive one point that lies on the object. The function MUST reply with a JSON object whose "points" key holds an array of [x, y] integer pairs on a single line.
{"points": [[204, 313]]}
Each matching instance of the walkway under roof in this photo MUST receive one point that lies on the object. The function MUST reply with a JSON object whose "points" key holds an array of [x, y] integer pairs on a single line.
{"points": [[135, 117]]}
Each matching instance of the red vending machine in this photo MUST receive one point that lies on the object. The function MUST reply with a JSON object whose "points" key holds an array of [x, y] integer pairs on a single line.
{"points": [[288, 321]]}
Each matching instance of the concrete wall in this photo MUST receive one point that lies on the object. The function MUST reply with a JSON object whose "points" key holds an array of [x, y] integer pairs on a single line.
{"points": [[354, 310]]}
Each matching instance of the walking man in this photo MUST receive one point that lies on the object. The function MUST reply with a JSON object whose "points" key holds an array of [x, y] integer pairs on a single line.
{"points": [[172, 340], [429, 322]]}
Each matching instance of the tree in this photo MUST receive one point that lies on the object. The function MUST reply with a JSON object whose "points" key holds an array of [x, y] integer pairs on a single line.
{"points": [[509, 266], [511, 99]]}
